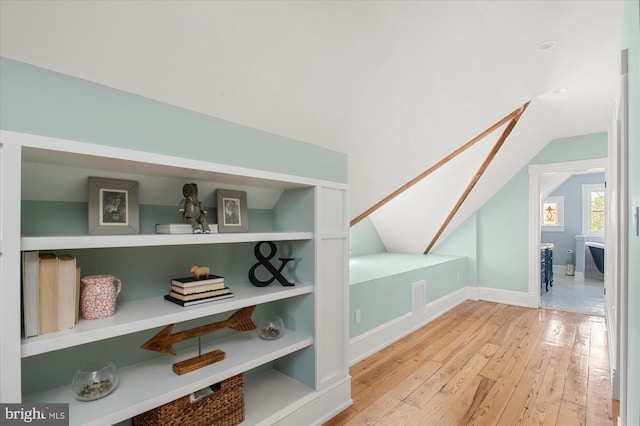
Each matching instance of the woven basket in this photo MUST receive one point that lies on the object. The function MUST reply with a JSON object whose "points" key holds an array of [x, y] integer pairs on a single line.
{"points": [[224, 407]]}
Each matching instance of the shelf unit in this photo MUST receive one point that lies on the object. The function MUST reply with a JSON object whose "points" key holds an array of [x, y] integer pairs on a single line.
{"points": [[307, 365], [135, 393], [150, 240], [144, 314]]}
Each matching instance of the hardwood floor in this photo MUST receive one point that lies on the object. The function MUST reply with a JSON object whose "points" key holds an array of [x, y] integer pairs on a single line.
{"points": [[486, 363]]}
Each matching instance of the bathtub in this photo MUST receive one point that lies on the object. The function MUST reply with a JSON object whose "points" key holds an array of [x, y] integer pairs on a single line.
{"points": [[597, 252]]}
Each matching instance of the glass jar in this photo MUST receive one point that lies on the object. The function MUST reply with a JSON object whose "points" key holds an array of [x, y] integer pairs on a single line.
{"points": [[271, 327], [95, 380]]}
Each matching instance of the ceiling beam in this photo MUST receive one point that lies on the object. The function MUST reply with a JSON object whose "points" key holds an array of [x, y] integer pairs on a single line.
{"points": [[478, 174], [439, 164]]}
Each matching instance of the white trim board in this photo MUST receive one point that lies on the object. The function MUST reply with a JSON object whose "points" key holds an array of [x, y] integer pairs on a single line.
{"points": [[366, 344]]}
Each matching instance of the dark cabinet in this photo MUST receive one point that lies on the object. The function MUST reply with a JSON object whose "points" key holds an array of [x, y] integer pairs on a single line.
{"points": [[546, 266]]}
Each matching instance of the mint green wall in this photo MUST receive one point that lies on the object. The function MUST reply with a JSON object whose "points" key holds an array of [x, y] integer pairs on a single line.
{"points": [[38, 101], [503, 224], [364, 239], [631, 41], [70, 218], [387, 296], [463, 242], [503, 237], [501, 232], [575, 148], [495, 239]]}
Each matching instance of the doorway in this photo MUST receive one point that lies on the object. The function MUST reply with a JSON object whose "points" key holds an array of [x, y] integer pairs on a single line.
{"points": [[572, 240], [580, 292]]}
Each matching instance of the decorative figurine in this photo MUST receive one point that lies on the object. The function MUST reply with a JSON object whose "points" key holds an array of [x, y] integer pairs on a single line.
{"points": [[192, 211], [199, 271]]}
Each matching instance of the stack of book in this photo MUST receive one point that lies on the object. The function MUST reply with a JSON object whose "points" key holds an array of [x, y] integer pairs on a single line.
{"points": [[50, 292], [191, 291]]}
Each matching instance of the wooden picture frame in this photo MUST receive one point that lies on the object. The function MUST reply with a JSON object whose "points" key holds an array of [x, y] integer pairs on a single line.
{"points": [[232, 211], [113, 206]]}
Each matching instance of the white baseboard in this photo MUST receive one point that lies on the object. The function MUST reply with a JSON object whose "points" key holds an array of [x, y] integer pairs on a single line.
{"points": [[374, 340], [559, 269], [507, 297], [319, 406], [368, 343]]}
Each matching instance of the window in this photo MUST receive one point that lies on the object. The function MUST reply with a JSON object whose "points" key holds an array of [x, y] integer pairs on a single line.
{"points": [[553, 214], [593, 209]]}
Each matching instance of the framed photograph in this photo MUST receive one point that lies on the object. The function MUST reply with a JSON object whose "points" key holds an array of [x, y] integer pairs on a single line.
{"points": [[232, 211], [113, 206]]}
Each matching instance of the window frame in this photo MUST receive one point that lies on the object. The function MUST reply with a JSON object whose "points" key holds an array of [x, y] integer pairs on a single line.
{"points": [[587, 189], [559, 200]]}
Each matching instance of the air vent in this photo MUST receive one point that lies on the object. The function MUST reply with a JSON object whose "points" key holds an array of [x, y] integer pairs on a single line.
{"points": [[418, 296]]}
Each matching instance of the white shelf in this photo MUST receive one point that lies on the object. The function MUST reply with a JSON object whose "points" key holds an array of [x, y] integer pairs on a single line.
{"points": [[148, 240], [262, 405], [135, 394], [143, 314]]}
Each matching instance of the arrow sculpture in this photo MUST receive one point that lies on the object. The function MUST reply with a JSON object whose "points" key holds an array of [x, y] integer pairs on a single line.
{"points": [[163, 341]]}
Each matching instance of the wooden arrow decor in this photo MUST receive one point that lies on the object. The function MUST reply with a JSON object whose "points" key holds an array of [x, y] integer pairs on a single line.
{"points": [[163, 341]]}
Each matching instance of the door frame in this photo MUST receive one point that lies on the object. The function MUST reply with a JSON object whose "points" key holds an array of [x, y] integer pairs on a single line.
{"points": [[535, 205]]}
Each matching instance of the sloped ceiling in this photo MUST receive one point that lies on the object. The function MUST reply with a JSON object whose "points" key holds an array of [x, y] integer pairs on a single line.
{"points": [[396, 85]]}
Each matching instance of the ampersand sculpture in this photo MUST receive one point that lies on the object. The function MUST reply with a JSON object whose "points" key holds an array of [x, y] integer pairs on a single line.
{"points": [[264, 261]]}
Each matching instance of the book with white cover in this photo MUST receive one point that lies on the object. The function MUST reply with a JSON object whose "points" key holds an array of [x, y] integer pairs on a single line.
{"points": [[30, 292], [180, 228]]}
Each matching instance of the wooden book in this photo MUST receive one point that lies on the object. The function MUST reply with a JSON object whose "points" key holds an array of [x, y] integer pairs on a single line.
{"points": [[30, 292], [66, 300], [48, 293]]}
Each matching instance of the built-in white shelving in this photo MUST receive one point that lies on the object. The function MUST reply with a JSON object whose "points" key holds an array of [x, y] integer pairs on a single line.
{"points": [[136, 393], [143, 314], [302, 375], [150, 240]]}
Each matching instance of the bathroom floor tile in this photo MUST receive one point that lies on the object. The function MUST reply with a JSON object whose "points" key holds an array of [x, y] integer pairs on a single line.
{"points": [[585, 297]]}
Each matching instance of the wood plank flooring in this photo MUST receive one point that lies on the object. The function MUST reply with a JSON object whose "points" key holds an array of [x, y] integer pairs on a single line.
{"points": [[486, 363]]}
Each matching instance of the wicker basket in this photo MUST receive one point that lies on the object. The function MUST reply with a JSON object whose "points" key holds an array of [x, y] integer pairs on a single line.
{"points": [[224, 407]]}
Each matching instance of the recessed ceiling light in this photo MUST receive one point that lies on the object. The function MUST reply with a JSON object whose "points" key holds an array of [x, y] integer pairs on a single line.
{"points": [[546, 45], [560, 90]]}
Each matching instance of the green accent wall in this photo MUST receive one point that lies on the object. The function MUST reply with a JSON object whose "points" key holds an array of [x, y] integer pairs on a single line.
{"points": [[380, 285], [364, 239], [501, 233], [38, 101], [503, 237], [575, 148], [464, 242]]}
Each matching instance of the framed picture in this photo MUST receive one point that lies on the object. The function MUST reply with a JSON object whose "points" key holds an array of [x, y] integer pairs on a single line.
{"points": [[113, 206], [232, 211]]}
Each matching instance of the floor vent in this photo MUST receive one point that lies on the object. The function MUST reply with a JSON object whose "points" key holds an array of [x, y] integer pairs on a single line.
{"points": [[418, 296]]}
